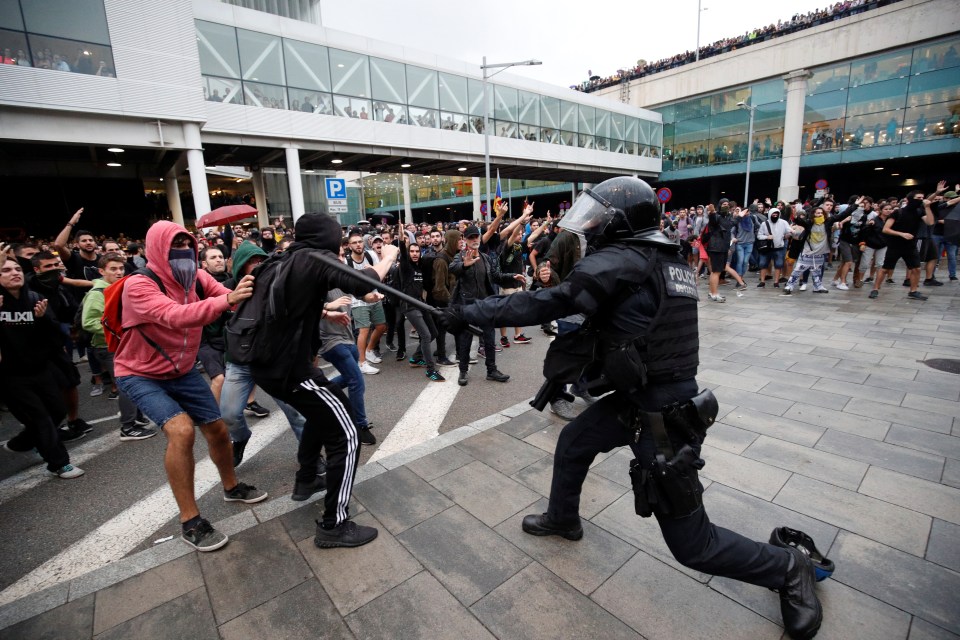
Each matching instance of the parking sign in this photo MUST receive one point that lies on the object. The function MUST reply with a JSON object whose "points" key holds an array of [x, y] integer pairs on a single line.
{"points": [[336, 188]]}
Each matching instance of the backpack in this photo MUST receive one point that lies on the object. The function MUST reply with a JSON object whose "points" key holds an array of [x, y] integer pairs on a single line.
{"points": [[112, 319], [76, 327], [426, 266], [252, 334]]}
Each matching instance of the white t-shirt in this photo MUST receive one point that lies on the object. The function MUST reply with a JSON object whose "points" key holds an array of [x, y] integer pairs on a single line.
{"points": [[369, 259]]}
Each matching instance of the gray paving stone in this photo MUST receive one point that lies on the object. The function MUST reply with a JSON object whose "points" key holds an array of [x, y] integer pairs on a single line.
{"points": [[863, 391], [924, 496], [596, 495], [951, 473], [841, 420], [400, 499], [882, 454], [34, 604], [418, 609], [774, 426], [751, 356], [301, 523], [730, 439], [70, 620], [439, 463], [849, 373], [546, 439], [130, 598], [535, 604], [711, 378], [517, 409], [302, 612], [488, 422], [466, 557], [920, 629], [647, 595], [189, 616], [615, 467], [719, 364], [847, 354], [504, 453], [838, 470], [887, 523], [354, 577], [416, 452], [924, 440], [787, 391], [257, 565], [525, 424], [486, 493], [775, 375], [756, 478], [943, 390], [944, 546], [948, 408], [755, 401], [899, 579]]}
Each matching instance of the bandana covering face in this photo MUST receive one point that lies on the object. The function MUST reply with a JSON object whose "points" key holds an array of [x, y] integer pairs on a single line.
{"points": [[183, 264]]}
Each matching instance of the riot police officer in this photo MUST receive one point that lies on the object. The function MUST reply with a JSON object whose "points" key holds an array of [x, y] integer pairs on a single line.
{"points": [[641, 342]]}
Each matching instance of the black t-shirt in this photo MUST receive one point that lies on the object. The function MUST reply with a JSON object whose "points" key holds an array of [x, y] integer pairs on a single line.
{"points": [[511, 258], [79, 268], [940, 214], [908, 219], [542, 247]]}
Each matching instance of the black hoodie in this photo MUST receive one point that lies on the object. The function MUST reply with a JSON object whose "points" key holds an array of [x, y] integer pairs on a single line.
{"points": [[26, 343]]}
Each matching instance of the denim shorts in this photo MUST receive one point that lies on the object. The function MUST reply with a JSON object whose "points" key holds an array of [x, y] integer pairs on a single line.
{"points": [[161, 400]]}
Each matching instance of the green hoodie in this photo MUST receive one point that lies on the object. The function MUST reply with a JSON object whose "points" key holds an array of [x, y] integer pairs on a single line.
{"points": [[241, 256], [93, 311]]}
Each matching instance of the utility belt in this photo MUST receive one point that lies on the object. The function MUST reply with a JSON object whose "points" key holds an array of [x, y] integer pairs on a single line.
{"points": [[670, 487]]}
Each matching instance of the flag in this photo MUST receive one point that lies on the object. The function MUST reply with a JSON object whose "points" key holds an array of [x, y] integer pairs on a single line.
{"points": [[498, 198]]}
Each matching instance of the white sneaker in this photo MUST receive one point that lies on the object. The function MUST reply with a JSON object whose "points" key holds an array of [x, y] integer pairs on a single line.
{"points": [[716, 298], [803, 287], [372, 357], [96, 390], [369, 369], [842, 286], [67, 472], [836, 283]]}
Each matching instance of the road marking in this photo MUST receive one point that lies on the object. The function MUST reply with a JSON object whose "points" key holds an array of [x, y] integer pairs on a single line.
{"points": [[124, 532], [422, 420]]}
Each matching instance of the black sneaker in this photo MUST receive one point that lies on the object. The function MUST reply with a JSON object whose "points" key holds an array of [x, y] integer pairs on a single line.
{"points": [[867, 280], [255, 409], [463, 380], [367, 437], [889, 280], [505, 342], [953, 278], [906, 282], [80, 426], [874, 294], [134, 432], [141, 422], [303, 490], [932, 282], [445, 362], [481, 352], [761, 285], [401, 355], [434, 375], [238, 448], [113, 395], [916, 295], [521, 339], [348, 534], [497, 376], [321, 467], [541, 525], [68, 433], [204, 537], [741, 287], [417, 362], [246, 493], [391, 346]]}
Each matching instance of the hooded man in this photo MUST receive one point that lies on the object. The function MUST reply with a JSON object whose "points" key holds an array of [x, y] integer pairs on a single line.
{"points": [[154, 367], [291, 376]]}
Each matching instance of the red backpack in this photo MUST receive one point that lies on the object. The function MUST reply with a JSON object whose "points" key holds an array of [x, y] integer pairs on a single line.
{"points": [[112, 319]]}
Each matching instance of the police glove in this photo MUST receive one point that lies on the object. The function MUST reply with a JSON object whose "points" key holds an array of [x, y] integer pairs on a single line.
{"points": [[451, 319]]}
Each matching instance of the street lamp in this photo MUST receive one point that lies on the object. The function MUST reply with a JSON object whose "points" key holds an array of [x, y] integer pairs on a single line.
{"points": [[751, 109], [486, 110], [699, 11]]}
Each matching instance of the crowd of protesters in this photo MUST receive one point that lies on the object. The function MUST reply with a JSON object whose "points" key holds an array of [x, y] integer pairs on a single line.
{"points": [[798, 22]]}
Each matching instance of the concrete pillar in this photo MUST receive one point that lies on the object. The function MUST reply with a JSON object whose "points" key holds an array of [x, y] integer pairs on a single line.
{"points": [[260, 195], [793, 135], [476, 197], [294, 182], [196, 168], [407, 214], [172, 187]]}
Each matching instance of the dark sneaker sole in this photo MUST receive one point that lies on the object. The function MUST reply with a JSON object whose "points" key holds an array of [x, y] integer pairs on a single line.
{"points": [[247, 500], [333, 543], [300, 497], [213, 547], [128, 438], [569, 535]]}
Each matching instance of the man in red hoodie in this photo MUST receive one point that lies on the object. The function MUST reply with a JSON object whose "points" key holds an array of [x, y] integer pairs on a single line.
{"points": [[154, 367]]}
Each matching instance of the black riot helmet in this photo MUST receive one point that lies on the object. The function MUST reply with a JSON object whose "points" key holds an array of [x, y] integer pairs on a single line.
{"points": [[615, 209]]}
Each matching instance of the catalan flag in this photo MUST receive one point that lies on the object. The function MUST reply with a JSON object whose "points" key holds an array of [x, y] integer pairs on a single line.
{"points": [[498, 198]]}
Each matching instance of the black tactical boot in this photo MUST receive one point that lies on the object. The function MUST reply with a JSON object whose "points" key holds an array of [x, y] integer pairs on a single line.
{"points": [[542, 525], [799, 606]]}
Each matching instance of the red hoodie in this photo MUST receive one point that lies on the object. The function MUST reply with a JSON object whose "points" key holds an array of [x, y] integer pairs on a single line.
{"points": [[174, 321]]}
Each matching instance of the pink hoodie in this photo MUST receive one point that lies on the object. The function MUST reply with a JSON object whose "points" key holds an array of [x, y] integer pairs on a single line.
{"points": [[174, 321]]}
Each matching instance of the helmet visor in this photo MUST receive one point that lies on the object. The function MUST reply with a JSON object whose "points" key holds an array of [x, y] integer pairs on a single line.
{"points": [[589, 215]]}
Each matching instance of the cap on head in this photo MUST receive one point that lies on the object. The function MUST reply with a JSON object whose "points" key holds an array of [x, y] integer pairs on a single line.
{"points": [[472, 230]]}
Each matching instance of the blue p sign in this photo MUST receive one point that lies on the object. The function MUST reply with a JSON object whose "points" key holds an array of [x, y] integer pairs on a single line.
{"points": [[336, 188]]}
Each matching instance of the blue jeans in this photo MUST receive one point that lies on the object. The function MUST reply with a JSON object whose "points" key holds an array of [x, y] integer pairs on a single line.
{"points": [[346, 359], [237, 385], [951, 249], [742, 255], [161, 400]]}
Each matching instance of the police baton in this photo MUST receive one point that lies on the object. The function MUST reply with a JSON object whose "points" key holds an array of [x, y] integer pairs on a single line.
{"points": [[373, 282]]}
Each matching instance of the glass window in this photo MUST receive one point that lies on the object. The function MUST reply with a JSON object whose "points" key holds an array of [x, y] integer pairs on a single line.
{"points": [[617, 126], [217, 46], [769, 116], [632, 125], [347, 107], [630, 148], [568, 116], [550, 112], [879, 68], [936, 86], [656, 134], [768, 144], [453, 121], [940, 55], [669, 113], [388, 80], [475, 90], [602, 127], [264, 95], [586, 121], [310, 101], [823, 135], [529, 132], [931, 121], [825, 106], [874, 129], [10, 17], [602, 144], [694, 130], [221, 90], [529, 107], [423, 88], [696, 108], [505, 103], [261, 58], [74, 19], [727, 101], [829, 79], [453, 93], [69, 55], [505, 129], [476, 124], [13, 46], [307, 65], [771, 91], [568, 138], [420, 117], [349, 73], [549, 135], [585, 141], [877, 96], [390, 112]]}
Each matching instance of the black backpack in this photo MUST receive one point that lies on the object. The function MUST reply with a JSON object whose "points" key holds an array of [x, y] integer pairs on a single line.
{"points": [[254, 333]]}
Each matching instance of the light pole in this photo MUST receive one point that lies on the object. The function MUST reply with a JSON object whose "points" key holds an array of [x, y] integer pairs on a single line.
{"points": [[746, 188], [699, 11], [486, 110]]}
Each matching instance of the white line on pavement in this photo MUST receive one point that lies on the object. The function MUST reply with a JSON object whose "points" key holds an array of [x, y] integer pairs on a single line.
{"points": [[124, 532], [422, 420]]}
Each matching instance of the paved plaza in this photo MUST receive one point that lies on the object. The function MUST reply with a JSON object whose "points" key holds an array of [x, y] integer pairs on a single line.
{"points": [[830, 422]]}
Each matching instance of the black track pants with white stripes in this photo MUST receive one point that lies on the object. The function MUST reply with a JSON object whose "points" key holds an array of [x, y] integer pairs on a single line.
{"points": [[328, 425]]}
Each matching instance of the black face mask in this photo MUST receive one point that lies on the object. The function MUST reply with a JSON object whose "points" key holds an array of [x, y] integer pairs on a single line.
{"points": [[774, 218], [49, 279]]}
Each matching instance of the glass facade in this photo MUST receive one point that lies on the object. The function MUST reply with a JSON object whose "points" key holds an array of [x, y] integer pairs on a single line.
{"points": [[256, 69], [62, 35], [385, 190]]}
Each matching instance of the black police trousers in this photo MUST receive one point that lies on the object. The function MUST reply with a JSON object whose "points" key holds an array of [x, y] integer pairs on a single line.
{"points": [[693, 540]]}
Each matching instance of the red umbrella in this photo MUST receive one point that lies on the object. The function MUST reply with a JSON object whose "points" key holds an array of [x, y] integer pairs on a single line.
{"points": [[226, 215]]}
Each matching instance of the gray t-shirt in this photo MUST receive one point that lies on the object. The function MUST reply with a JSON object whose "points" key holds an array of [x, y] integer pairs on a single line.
{"points": [[331, 333]]}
